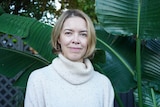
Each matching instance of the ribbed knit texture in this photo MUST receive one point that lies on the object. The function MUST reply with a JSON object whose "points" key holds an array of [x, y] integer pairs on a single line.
{"points": [[73, 72], [68, 84]]}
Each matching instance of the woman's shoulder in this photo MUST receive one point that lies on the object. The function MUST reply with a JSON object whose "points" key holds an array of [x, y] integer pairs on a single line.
{"points": [[40, 72], [104, 82], [100, 75], [102, 78]]}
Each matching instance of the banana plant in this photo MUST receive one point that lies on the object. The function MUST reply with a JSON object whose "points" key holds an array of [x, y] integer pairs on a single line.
{"points": [[139, 19], [21, 63]]}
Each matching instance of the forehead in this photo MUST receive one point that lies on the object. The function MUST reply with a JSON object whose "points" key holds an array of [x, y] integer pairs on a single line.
{"points": [[74, 23]]}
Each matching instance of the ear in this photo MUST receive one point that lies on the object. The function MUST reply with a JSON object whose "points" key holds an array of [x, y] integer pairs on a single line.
{"points": [[59, 40]]}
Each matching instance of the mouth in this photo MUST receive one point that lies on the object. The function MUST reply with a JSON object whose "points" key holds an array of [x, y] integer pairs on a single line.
{"points": [[75, 49]]}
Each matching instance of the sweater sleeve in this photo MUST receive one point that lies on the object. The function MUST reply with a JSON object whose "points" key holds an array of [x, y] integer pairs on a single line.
{"points": [[108, 95], [34, 91]]}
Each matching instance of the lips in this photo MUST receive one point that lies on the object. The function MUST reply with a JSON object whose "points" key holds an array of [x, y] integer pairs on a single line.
{"points": [[75, 49]]}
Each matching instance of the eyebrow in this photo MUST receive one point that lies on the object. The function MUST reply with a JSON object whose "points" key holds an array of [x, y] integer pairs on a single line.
{"points": [[72, 30], [83, 31]]}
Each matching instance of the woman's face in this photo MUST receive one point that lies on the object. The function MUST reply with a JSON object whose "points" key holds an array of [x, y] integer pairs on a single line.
{"points": [[73, 39]]}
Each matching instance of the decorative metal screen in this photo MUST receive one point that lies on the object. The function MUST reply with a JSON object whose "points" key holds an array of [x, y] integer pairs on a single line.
{"points": [[14, 42], [7, 92]]}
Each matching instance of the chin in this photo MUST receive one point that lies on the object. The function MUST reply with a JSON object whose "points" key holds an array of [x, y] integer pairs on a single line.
{"points": [[75, 59]]}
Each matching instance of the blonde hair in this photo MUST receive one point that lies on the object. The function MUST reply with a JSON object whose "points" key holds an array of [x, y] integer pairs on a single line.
{"points": [[58, 27]]}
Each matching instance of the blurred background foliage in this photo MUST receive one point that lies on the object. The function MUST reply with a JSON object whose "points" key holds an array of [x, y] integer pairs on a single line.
{"points": [[47, 10]]}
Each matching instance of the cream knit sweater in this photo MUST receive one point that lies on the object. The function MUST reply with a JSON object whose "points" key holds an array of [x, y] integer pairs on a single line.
{"points": [[68, 84]]}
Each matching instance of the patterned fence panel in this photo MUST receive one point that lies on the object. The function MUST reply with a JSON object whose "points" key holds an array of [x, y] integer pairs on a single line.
{"points": [[13, 42], [7, 91]]}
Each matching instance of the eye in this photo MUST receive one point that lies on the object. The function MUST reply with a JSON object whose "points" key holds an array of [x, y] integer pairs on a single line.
{"points": [[68, 33], [83, 34]]}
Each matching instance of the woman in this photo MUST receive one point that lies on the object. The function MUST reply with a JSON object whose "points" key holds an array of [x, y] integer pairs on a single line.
{"points": [[70, 80]]}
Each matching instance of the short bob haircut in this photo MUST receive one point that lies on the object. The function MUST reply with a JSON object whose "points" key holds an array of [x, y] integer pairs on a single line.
{"points": [[90, 31]]}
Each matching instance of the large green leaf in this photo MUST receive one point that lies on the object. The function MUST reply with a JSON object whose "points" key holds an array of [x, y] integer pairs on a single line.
{"points": [[18, 65], [124, 17], [150, 62], [120, 59], [35, 33], [150, 74], [151, 98]]}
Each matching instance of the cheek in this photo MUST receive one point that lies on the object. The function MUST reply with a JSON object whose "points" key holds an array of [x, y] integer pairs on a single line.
{"points": [[63, 40], [85, 43]]}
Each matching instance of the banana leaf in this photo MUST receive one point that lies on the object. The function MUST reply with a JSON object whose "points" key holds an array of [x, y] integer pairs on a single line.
{"points": [[150, 74], [151, 97], [150, 64], [120, 59], [123, 17], [139, 18], [33, 32], [18, 65]]}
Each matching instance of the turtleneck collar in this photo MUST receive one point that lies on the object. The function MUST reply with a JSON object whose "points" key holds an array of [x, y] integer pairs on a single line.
{"points": [[73, 72]]}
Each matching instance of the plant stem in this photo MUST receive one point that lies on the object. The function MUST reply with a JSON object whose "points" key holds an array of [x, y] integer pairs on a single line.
{"points": [[138, 56], [153, 97], [138, 67]]}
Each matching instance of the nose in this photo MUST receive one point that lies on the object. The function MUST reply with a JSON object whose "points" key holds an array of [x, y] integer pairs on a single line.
{"points": [[75, 39]]}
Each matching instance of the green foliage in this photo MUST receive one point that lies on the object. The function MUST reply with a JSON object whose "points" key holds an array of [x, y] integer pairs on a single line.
{"points": [[32, 31], [121, 18], [38, 8], [28, 8], [19, 65], [140, 20], [120, 59]]}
